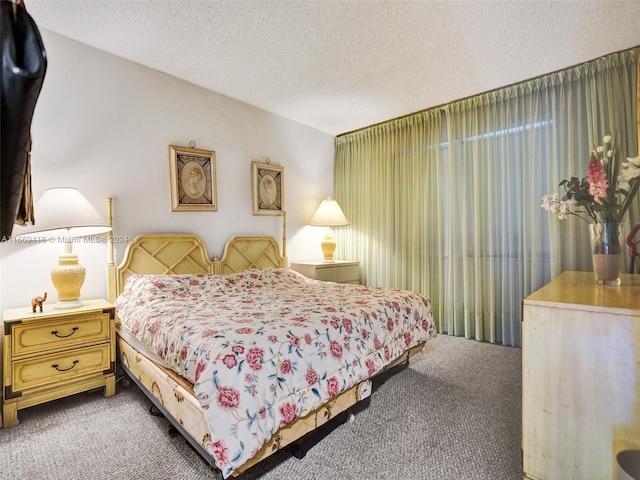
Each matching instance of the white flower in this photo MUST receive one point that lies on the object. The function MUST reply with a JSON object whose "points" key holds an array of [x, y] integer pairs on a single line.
{"points": [[549, 202], [565, 208], [607, 139], [563, 212], [610, 153], [600, 149], [628, 172], [634, 161], [560, 208]]}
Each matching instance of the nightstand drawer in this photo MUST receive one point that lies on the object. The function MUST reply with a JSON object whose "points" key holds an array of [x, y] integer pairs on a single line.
{"points": [[340, 274], [51, 335], [340, 271], [47, 369], [55, 353]]}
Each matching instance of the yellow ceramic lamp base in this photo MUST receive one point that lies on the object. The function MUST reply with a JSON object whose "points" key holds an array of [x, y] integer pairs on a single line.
{"points": [[328, 246], [68, 277]]}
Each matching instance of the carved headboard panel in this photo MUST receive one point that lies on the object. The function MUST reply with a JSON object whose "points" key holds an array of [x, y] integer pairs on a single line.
{"points": [[165, 254], [242, 252]]}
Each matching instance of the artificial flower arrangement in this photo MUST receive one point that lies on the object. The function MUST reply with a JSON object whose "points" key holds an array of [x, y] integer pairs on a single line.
{"points": [[600, 199]]}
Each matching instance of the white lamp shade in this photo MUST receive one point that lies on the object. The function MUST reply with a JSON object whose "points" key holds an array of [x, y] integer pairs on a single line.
{"points": [[329, 214], [64, 212]]}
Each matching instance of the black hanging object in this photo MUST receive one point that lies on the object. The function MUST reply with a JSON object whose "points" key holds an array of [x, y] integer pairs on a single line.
{"points": [[24, 63]]}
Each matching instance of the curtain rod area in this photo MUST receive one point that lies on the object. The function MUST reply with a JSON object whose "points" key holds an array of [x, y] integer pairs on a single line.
{"points": [[443, 105]]}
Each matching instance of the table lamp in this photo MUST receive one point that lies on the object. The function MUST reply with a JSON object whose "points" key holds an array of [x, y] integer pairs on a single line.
{"points": [[63, 213], [329, 214]]}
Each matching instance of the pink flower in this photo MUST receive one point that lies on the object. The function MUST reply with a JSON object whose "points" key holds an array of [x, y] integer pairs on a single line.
{"points": [[272, 338], [346, 323], [289, 413], [230, 361], [311, 376], [220, 452], [597, 180], [294, 341], [183, 353], [285, 367], [237, 349], [336, 350], [376, 343], [254, 358], [371, 367], [407, 338], [332, 387], [244, 330], [228, 397], [307, 339], [199, 369], [390, 324]]}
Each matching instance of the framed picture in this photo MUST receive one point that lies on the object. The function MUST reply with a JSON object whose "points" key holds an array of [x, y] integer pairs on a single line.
{"points": [[193, 179], [267, 182]]}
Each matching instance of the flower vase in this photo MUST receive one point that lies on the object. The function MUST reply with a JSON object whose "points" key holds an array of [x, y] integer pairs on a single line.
{"points": [[606, 248]]}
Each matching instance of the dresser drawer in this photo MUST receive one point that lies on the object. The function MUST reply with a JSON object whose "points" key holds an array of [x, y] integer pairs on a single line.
{"points": [[47, 369], [51, 335]]}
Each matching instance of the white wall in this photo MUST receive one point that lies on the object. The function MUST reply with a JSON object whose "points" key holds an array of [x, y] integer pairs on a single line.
{"points": [[103, 124]]}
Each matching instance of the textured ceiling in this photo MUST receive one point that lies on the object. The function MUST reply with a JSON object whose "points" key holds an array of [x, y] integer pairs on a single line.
{"points": [[343, 65]]}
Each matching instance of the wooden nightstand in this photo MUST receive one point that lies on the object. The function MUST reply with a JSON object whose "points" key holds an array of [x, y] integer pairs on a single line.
{"points": [[340, 271], [56, 353]]}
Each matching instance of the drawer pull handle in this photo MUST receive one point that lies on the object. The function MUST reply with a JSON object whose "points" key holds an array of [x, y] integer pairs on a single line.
{"points": [[75, 362], [73, 330]]}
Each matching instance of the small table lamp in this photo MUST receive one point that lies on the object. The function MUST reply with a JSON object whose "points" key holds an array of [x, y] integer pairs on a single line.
{"points": [[64, 213], [329, 214]]}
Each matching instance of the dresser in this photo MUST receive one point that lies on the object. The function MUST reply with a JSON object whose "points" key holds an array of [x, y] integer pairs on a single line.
{"points": [[56, 353], [340, 271], [580, 377]]}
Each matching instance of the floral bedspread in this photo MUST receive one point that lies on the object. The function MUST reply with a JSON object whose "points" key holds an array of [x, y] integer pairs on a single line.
{"points": [[265, 346]]}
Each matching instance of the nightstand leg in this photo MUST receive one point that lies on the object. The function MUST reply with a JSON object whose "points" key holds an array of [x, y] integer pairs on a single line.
{"points": [[110, 386], [10, 415]]}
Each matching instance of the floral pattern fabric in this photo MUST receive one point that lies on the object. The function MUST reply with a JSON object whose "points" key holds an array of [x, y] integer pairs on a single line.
{"points": [[266, 346]]}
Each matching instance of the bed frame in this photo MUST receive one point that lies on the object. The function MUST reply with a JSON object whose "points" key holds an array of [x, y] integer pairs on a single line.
{"points": [[172, 394]]}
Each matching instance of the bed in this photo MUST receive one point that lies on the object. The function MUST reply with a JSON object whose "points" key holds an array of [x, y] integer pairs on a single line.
{"points": [[234, 360]]}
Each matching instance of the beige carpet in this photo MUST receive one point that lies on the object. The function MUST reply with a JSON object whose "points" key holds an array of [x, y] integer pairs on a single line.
{"points": [[454, 413]]}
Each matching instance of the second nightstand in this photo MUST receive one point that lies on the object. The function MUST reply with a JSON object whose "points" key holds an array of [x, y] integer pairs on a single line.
{"points": [[56, 353], [340, 271]]}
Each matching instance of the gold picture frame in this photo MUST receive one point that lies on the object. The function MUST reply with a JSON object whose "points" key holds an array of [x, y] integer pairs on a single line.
{"points": [[193, 179], [267, 188]]}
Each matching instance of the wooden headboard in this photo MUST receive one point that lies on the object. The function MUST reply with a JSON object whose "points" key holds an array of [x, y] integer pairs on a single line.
{"points": [[167, 254]]}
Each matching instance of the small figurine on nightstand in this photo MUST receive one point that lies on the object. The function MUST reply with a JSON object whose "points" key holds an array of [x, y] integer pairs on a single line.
{"points": [[38, 301]]}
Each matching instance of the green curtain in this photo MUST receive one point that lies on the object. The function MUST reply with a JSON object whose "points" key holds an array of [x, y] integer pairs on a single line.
{"points": [[388, 179], [447, 202]]}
